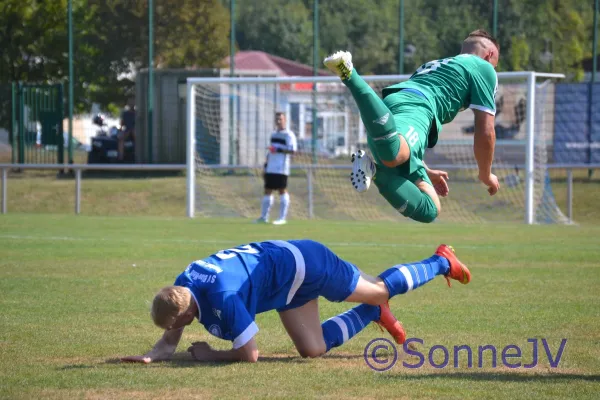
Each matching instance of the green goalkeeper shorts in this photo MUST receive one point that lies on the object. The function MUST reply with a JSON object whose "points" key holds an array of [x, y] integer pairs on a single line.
{"points": [[413, 117]]}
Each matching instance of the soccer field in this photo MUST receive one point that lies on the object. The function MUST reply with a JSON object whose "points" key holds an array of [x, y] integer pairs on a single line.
{"points": [[75, 295]]}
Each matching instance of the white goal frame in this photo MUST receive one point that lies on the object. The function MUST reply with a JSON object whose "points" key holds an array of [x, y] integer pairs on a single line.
{"points": [[530, 77]]}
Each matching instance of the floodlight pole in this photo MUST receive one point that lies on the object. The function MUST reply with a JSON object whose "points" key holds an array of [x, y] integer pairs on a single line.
{"points": [[401, 39], [70, 33], [315, 130], [150, 77], [595, 48], [495, 20], [231, 87], [591, 88]]}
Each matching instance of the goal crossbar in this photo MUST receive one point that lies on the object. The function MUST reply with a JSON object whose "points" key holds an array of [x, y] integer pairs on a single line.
{"points": [[335, 79]]}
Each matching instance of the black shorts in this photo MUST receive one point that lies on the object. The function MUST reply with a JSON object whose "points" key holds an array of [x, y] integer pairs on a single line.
{"points": [[275, 181]]}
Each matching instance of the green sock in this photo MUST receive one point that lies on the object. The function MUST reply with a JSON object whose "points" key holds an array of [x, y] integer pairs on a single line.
{"points": [[376, 117]]}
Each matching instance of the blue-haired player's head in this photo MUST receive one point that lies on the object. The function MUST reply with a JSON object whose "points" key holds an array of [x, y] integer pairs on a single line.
{"points": [[173, 308]]}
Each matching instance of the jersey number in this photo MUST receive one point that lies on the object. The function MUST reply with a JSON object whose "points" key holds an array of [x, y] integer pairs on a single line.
{"points": [[432, 66], [241, 249], [412, 137]]}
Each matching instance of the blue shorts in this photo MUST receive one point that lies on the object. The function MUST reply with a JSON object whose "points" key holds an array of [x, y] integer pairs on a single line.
{"points": [[326, 275]]}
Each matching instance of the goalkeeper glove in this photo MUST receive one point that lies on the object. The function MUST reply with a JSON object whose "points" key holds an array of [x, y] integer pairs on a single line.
{"points": [[274, 149]]}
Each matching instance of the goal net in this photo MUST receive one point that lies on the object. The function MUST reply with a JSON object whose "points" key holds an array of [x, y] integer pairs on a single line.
{"points": [[230, 121]]}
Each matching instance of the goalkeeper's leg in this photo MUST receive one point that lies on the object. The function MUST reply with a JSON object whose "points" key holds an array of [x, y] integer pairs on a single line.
{"points": [[417, 201], [375, 115]]}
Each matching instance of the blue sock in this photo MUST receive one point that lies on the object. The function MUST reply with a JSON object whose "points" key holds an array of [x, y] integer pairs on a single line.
{"points": [[404, 277], [339, 329]]}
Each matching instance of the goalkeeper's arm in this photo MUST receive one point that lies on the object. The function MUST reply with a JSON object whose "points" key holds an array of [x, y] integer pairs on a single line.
{"points": [[282, 149]]}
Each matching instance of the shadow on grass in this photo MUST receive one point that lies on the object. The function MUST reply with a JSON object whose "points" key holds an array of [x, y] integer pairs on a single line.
{"points": [[498, 376], [184, 360]]}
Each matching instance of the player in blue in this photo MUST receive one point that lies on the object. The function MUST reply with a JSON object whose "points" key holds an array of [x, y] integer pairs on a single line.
{"points": [[227, 289]]}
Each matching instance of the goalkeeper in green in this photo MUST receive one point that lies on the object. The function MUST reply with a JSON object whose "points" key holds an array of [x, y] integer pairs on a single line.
{"points": [[409, 119]]}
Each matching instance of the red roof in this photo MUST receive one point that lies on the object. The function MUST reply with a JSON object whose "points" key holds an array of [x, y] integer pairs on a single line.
{"points": [[259, 60]]}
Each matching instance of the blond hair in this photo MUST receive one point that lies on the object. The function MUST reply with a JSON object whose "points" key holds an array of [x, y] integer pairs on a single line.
{"points": [[169, 304]]}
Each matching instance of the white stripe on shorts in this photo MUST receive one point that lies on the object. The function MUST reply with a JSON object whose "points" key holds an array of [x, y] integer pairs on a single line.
{"points": [[300, 267]]}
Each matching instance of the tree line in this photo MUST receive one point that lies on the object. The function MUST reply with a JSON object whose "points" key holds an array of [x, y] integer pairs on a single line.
{"points": [[111, 36]]}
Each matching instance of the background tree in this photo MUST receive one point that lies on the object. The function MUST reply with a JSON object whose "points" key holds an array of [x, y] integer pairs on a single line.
{"points": [[111, 36], [283, 28], [33, 39]]}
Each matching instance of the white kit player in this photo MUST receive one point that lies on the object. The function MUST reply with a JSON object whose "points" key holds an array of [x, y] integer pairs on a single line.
{"points": [[277, 169]]}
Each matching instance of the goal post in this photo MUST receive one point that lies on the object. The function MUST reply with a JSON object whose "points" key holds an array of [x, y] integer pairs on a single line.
{"points": [[224, 162]]}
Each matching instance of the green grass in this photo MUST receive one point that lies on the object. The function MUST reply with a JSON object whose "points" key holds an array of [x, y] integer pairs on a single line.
{"points": [[232, 196], [75, 293]]}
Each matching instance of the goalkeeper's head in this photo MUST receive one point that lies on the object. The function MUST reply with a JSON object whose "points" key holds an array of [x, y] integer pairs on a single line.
{"points": [[482, 44], [173, 308]]}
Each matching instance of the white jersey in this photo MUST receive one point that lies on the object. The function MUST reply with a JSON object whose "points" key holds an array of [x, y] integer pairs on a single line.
{"points": [[279, 163]]}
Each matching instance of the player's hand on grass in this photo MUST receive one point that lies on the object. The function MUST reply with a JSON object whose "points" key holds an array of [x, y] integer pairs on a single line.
{"points": [[439, 179], [491, 182], [137, 359], [200, 350]]}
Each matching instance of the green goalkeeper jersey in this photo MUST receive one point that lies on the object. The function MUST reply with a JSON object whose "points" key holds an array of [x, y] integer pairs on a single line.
{"points": [[452, 85]]}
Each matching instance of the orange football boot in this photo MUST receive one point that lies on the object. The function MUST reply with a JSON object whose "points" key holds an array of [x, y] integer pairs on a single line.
{"points": [[458, 270], [391, 324]]}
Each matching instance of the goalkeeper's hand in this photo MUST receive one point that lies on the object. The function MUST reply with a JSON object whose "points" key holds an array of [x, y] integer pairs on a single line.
{"points": [[274, 149]]}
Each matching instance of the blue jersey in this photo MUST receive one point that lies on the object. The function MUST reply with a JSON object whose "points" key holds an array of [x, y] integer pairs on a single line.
{"points": [[232, 286]]}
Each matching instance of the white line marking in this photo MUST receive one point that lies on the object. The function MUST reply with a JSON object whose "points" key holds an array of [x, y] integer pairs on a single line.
{"points": [[229, 242]]}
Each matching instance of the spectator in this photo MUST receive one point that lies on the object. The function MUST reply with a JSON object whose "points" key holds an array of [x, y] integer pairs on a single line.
{"points": [[127, 131]]}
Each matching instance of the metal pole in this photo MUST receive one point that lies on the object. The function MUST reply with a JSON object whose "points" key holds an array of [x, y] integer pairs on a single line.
{"points": [[71, 83], [21, 124], [231, 87], [529, 157], [594, 68], [191, 151], [401, 40], [150, 77], [4, 189], [77, 191], [13, 123], [570, 195], [495, 20], [59, 128], [309, 175], [595, 49], [315, 130]]}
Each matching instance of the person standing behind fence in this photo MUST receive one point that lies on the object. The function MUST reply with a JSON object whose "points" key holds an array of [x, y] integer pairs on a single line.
{"points": [[127, 131], [277, 169]]}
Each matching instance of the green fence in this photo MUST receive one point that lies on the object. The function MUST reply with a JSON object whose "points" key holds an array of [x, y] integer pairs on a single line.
{"points": [[36, 128]]}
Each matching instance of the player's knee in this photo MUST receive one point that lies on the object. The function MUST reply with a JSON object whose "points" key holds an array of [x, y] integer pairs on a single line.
{"points": [[312, 351], [427, 211]]}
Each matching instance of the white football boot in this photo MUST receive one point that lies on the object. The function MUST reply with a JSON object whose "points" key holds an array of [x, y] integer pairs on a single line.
{"points": [[340, 63], [363, 170], [279, 222]]}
